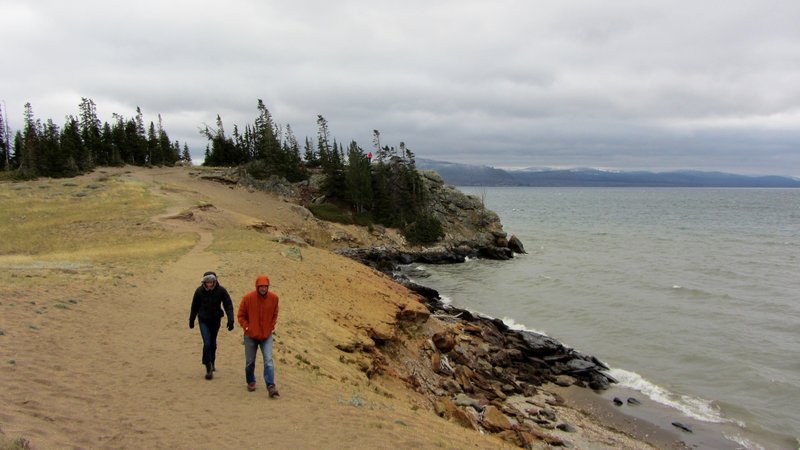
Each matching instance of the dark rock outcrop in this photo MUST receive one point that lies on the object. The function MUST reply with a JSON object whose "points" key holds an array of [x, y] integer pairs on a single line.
{"points": [[444, 342], [479, 364], [516, 245], [387, 259], [471, 230]]}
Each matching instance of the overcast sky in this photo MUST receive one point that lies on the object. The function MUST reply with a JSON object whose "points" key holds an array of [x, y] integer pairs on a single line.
{"points": [[655, 84]]}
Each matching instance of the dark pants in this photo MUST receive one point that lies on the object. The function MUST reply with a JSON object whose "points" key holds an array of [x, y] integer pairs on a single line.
{"points": [[209, 332]]}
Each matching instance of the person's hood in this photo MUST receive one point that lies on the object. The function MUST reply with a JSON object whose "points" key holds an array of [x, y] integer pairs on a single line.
{"points": [[262, 280]]}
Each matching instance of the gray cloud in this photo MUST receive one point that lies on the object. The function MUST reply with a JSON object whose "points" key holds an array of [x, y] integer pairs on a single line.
{"points": [[619, 84]]}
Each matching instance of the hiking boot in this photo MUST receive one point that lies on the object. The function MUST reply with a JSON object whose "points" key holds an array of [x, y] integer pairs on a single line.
{"points": [[209, 371], [251, 387], [273, 391]]}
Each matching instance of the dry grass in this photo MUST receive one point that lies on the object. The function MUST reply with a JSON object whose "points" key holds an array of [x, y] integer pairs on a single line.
{"points": [[92, 221], [238, 240]]}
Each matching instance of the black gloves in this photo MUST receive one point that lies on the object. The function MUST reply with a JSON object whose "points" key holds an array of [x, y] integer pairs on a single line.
{"points": [[191, 323]]}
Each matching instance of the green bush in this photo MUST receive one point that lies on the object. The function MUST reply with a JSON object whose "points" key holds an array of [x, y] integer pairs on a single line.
{"points": [[258, 169], [365, 220], [331, 213], [426, 230]]}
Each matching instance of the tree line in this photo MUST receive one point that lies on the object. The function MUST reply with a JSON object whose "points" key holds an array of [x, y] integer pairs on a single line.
{"points": [[45, 149], [361, 187]]}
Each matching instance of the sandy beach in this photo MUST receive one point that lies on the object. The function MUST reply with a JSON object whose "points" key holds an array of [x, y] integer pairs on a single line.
{"points": [[98, 353]]}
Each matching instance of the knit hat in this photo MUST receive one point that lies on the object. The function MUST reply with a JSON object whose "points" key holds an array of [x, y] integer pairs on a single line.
{"points": [[209, 276]]}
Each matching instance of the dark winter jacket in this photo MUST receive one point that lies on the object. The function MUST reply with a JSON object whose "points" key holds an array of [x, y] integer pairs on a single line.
{"points": [[207, 305]]}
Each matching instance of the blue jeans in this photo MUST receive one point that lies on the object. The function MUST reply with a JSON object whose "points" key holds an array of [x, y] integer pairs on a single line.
{"points": [[209, 332], [250, 348]]}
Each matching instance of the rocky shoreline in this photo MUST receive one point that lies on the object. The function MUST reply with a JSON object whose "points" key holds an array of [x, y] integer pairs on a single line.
{"points": [[524, 387], [479, 372]]}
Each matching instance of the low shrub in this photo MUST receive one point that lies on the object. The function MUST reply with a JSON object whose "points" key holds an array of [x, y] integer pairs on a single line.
{"points": [[331, 213], [425, 230]]}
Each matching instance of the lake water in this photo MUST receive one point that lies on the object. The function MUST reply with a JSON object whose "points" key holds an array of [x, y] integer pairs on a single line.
{"points": [[692, 296]]}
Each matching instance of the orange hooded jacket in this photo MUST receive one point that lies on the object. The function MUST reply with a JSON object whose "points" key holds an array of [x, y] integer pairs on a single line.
{"points": [[257, 313]]}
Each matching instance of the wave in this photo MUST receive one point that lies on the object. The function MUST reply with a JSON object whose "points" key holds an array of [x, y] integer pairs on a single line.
{"points": [[694, 407], [445, 299], [744, 443], [510, 323], [693, 292]]}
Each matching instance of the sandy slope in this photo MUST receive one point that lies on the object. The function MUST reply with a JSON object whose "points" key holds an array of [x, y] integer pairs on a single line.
{"points": [[116, 366]]}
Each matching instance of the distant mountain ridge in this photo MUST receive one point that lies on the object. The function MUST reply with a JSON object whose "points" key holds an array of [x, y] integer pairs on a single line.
{"points": [[476, 175]]}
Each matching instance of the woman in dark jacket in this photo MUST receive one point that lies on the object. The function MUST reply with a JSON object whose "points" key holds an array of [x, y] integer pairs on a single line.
{"points": [[209, 299]]}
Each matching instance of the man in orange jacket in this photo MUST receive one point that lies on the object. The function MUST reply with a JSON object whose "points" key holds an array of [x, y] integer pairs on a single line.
{"points": [[258, 314]]}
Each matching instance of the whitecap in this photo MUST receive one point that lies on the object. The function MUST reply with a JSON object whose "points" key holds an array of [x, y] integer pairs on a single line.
{"points": [[694, 407], [744, 443], [445, 299], [511, 323]]}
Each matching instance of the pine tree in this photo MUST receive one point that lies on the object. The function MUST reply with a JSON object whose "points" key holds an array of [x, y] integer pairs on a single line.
{"points": [[239, 145], [410, 184], [335, 182], [331, 159], [153, 150], [16, 156], [383, 210], [249, 144], [267, 145], [138, 141], [110, 152], [29, 151], [119, 140], [359, 178], [168, 154], [295, 170], [323, 142], [90, 134], [175, 152], [72, 150], [82, 155], [223, 150], [310, 156], [51, 160], [186, 156]]}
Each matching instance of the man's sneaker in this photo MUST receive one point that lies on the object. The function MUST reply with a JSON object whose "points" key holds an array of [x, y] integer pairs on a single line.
{"points": [[273, 391], [251, 387]]}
